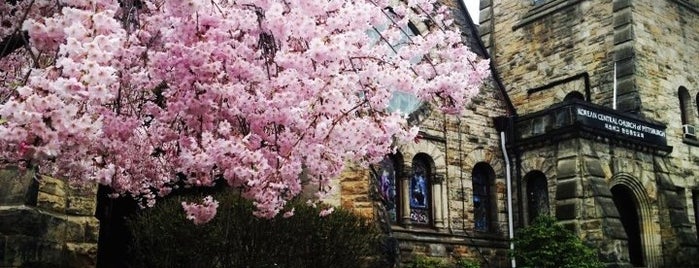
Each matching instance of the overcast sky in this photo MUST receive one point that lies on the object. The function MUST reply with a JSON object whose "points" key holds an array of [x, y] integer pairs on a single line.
{"points": [[472, 6]]}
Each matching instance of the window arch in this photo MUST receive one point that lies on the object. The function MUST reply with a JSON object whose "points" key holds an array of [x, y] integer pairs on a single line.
{"points": [[574, 95], [420, 190], [537, 194], [686, 113], [483, 199]]}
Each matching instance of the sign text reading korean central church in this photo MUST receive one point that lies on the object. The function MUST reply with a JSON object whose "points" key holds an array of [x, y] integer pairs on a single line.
{"points": [[632, 128]]}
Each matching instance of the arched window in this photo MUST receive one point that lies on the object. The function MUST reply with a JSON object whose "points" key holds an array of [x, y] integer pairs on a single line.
{"points": [[574, 95], [695, 202], [483, 199], [686, 113], [387, 185], [685, 104], [537, 194], [419, 192]]}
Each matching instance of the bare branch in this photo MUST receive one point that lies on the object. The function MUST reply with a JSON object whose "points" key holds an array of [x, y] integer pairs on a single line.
{"points": [[13, 42]]}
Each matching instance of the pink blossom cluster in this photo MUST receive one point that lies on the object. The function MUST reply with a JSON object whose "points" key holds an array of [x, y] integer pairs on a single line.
{"points": [[144, 95], [201, 213]]}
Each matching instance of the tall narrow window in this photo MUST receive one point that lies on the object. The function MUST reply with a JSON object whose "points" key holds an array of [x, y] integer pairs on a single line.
{"points": [[483, 201], [687, 114], [685, 106], [402, 102], [387, 187], [419, 192], [537, 194], [695, 201]]}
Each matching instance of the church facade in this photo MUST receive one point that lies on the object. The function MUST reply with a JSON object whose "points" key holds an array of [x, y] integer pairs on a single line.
{"points": [[598, 102], [590, 115], [607, 96], [444, 196]]}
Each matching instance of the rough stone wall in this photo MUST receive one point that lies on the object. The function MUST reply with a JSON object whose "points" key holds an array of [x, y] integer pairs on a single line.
{"points": [[654, 45], [46, 223], [455, 144], [666, 37], [535, 45], [581, 173], [667, 46]]}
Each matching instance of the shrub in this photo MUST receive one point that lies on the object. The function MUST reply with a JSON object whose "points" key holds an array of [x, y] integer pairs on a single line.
{"points": [[547, 244], [467, 263], [420, 261], [162, 237]]}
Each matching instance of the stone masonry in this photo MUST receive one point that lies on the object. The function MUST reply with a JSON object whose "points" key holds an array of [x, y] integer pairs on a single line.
{"points": [[455, 144], [639, 53], [44, 222]]}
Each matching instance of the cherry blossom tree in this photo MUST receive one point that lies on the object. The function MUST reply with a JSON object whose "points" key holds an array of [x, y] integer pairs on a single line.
{"points": [[264, 95]]}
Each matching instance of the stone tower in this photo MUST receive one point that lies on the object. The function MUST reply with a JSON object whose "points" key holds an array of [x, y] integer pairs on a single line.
{"points": [[606, 93]]}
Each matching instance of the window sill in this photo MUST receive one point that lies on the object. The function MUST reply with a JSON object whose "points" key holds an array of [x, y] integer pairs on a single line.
{"points": [[689, 5], [689, 141], [428, 230], [543, 10]]}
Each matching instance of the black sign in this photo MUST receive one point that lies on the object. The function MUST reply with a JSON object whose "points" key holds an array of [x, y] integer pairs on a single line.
{"points": [[626, 126]]}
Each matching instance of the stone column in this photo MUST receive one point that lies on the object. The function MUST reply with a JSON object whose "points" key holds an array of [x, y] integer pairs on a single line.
{"points": [[405, 200], [437, 201]]}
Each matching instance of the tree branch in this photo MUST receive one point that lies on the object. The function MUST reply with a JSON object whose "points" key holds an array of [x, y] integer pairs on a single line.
{"points": [[13, 42]]}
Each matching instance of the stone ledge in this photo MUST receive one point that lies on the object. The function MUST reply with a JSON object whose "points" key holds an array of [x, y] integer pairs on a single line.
{"points": [[691, 7], [544, 10], [34, 237], [692, 142], [17, 187]]}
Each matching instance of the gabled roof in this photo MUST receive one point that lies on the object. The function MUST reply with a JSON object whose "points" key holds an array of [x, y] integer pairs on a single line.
{"points": [[469, 31]]}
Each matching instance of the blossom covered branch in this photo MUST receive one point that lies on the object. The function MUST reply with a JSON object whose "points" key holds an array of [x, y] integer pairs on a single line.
{"points": [[143, 95]]}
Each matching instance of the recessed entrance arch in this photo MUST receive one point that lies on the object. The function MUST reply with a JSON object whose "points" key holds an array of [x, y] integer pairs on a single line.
{"points": [[627, 205], [638, 213]]}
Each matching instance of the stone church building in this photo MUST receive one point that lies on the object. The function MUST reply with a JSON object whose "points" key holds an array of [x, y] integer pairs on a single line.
{"points": [[590, 116], [606, 94], [598, 102]]}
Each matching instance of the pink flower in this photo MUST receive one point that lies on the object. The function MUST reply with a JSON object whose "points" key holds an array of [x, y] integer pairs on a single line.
{"points": [[201, 213], [190, 88], [289, 213], [326, 212]]}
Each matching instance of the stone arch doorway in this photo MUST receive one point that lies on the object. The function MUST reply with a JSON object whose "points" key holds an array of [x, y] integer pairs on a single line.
{"points": [[627, 205], [631, 196]]}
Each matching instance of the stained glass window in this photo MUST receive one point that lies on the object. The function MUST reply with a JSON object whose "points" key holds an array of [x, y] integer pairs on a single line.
{"points": [[419, 193], [401, 102], [386, 179], [481, 197]]}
